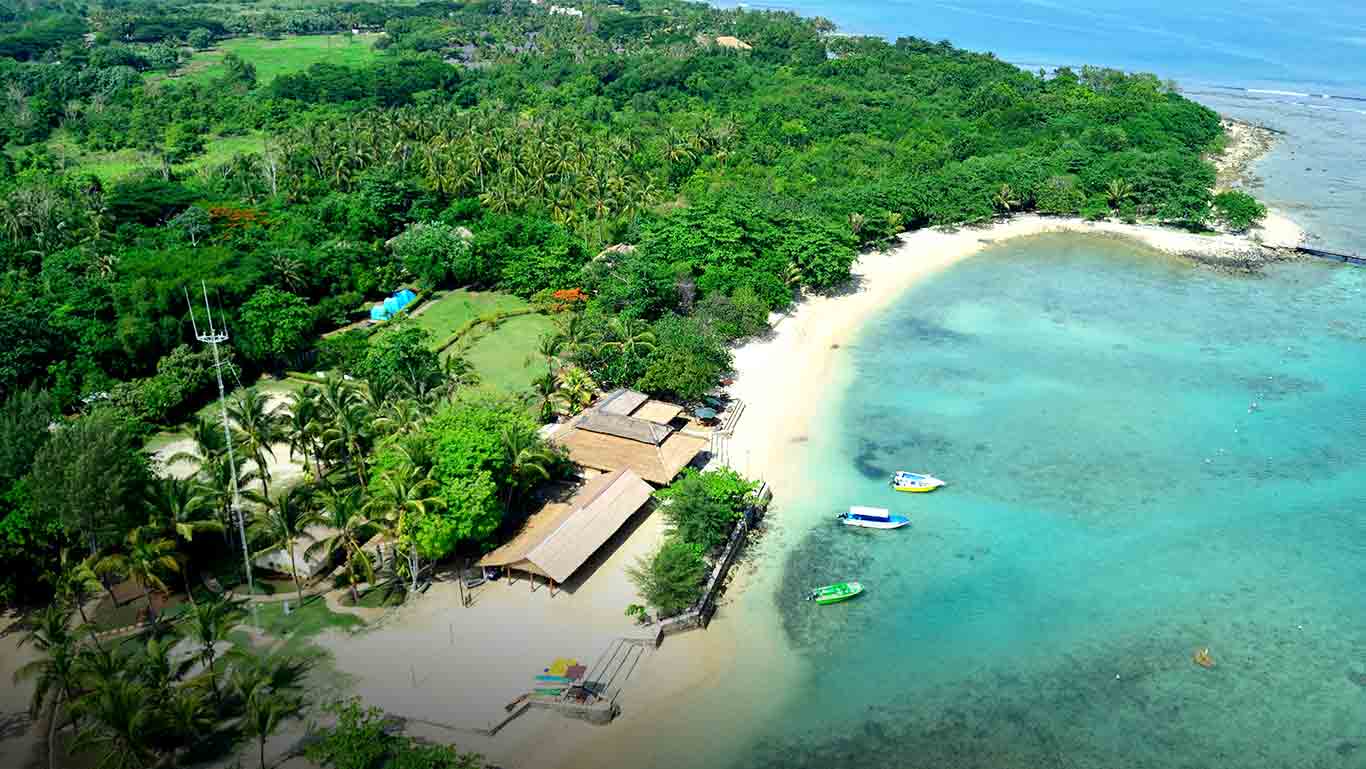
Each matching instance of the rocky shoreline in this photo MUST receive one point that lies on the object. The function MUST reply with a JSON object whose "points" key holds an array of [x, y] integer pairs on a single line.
{"points": [[1247, 142]]}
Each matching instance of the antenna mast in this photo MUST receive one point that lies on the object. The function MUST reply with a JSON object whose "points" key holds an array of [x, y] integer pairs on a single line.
{"points": [[214, 337]]}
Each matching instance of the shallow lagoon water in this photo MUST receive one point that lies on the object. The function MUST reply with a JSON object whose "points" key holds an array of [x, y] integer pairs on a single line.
{"points": [[1118, 502]]}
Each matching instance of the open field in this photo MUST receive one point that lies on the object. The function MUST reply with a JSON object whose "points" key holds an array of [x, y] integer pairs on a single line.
{"points": [[506, 357], [111, 166], [287, 55], [452, 309]]}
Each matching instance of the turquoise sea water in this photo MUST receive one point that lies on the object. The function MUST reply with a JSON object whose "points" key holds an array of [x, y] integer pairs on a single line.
{"points": [[1146, 458], [1268, 61]]}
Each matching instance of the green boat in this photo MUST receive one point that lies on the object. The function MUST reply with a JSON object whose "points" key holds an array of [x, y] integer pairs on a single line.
{"points": [[840, 591]]}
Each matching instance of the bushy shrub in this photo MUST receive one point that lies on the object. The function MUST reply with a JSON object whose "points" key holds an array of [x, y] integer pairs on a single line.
{"points": [[274, 325], [1238, 210], [399, 357], [670, 578], [438, 254], [702, 507], [687, 360], [733, 317], [344, 352], [1059, 196], [362, 738]]}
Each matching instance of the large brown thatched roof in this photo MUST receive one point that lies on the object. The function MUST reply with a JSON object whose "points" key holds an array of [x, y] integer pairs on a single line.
{"points": [[656, 464], [561, 536], [625, 429]]}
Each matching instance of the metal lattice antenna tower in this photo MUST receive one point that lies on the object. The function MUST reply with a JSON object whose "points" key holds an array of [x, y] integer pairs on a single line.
{"points": [[214, 337]]}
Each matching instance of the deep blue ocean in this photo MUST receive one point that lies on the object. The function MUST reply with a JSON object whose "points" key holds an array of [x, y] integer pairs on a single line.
{"points": [[1294, 65]]}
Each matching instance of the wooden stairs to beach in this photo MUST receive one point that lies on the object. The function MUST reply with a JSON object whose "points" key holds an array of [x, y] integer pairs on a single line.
{"points": [[613, 668]]}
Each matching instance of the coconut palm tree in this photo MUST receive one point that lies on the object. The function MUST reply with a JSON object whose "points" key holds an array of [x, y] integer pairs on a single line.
{"points": [[187, 717], [56, 673], [156, 669], [347, 437], [528, 461], [630, 336], [545, 397], [302, 427], [285, 521], [264, 715], [402, 497], [256, 428], [573, 334], [75, 584], [215, 485], [146, 559], [400, 417], [1005, 200], [120, 723], [1117, 191], [210, 444], [179, 511], [208, 624], [576, 390], [289, 271], [457, 373], [343, 511]]}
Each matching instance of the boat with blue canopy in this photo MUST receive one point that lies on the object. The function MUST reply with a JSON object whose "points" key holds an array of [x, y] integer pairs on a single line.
{"points": [[872, 518]]}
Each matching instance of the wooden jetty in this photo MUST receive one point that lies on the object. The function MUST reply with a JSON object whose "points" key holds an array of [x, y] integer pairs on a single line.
{"points": [[1335, 255]]}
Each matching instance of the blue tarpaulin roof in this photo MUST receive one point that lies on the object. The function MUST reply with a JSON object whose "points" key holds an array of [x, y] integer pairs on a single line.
{"points": [[392, 305]]}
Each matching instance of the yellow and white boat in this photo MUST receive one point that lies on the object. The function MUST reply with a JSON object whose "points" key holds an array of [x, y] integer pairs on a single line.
{"points": [[915, 482]]}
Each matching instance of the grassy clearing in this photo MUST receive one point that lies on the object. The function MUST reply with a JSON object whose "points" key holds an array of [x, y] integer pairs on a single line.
{"points": [[506, 357], [111, 166], [287, 55], [443, 315], [305, 621]]}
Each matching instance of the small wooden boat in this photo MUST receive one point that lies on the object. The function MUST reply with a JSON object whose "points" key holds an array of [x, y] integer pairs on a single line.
{"points": [[872, 518], [915, 482], [840, 591]]}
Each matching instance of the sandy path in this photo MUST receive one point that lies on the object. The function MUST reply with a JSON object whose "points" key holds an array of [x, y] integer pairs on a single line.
{"points": [[17, 740]]}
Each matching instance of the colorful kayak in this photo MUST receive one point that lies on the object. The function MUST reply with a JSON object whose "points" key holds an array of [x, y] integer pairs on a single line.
{"points": [[872, 518], [916, 482], [840, 591]]}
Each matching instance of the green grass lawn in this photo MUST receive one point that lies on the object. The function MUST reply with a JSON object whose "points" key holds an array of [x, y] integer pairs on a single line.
{"points": [[310, 619], [443, 315], [273, 58], [506, 357]]}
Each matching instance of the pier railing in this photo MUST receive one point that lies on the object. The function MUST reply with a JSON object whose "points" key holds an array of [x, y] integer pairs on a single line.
{"points": [[1334, 255]]}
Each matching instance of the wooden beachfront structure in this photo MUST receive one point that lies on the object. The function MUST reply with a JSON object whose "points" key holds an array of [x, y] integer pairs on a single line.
{"points": [[626, 430], [560, 537]]}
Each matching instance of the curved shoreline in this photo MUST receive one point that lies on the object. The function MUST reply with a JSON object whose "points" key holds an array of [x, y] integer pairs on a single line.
{"points": [[782, 375]]}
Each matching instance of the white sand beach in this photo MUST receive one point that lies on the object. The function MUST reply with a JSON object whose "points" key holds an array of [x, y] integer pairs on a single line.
{"points": [[780, 375]]}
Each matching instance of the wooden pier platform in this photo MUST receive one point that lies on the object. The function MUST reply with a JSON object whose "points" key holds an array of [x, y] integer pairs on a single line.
{"points": [[1335, 255]]}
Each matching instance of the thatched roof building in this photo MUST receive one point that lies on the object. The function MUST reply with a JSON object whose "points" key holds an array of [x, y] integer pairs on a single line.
{"points": [[627, 430], [562, 536]]}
